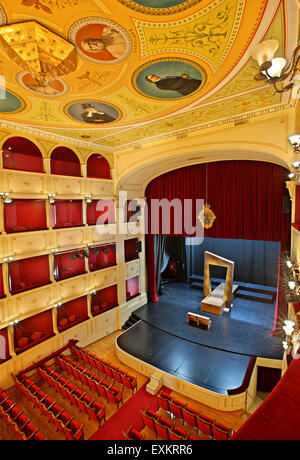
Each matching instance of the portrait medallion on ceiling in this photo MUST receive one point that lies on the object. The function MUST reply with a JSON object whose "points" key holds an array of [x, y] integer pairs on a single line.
{"points": [[10, 102], [92, 112], [169, 79], [100, 40], [159, 6], [54, 88]]}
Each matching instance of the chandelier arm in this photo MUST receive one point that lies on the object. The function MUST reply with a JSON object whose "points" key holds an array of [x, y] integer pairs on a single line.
{"points": [[290, 69]]}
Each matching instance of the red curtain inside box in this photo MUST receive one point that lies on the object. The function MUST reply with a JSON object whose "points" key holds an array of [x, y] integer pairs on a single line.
{"points": [[27, 274], [72, 313], [25, 216], [130, 250], [101, 212], [132, 287], [2, 293], [132, 211], [65, 162], [102, 257], [22, 154], [33, 330], [104, 300], [4, 346], [66, 213], [98, 167], [68, 264]]}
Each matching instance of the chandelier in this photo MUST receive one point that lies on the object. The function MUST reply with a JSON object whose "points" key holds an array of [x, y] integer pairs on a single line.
{"points": [[275, 70], [37, 50]]}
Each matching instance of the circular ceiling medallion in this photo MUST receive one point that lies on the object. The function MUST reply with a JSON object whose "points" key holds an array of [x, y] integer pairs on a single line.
{"points": [[168, 78], [159, 6], [54, 89], [10, 102], [92, 112], [100, 40]]}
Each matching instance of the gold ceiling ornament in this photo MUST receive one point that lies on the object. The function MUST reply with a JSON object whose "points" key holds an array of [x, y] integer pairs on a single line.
{"points": [[207, 216], [37, 50]]}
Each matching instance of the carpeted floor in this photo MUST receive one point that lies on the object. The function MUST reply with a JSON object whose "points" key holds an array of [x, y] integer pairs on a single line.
{"points": [[128, 414]]}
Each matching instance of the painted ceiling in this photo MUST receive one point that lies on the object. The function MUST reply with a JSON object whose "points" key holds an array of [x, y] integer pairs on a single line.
{"points": [[200, 51]]}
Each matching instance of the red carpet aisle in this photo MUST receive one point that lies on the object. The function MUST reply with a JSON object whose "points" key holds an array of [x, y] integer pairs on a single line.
{"points": [[128, 414], [278, 416]]}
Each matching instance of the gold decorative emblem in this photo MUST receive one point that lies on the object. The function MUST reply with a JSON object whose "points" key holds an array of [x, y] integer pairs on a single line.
{"points": [[207, 216]]}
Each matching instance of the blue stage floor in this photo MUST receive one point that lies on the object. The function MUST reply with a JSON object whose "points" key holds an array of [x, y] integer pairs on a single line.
{"points": [[216, 359]]}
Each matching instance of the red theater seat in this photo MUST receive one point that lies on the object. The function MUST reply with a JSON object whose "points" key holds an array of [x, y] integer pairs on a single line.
{"points": [[163, 400], [22, 342], [190, 415], [176, 408], [149, 421], [163, 426], [204, 424], [177, 434], [221, 432]]}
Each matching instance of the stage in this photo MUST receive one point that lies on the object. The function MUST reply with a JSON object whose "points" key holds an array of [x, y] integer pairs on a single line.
{"points": [[216, 359]]}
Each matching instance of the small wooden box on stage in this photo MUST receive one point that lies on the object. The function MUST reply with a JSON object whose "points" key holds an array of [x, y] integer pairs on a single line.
{"points": [[215, 303], [199, 320]]}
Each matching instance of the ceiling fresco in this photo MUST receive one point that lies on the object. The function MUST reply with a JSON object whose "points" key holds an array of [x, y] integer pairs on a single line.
{"points": [[143, 68]]}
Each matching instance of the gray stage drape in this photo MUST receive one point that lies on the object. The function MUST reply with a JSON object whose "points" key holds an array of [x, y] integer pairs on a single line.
{"points": [[161, 259]]}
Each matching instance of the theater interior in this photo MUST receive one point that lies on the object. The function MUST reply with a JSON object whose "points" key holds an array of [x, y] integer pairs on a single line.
{"points": [[150, 220]]}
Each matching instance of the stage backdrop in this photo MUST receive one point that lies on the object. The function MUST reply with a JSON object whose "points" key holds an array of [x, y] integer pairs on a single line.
{"points": [[254, 261], [247, 198]]}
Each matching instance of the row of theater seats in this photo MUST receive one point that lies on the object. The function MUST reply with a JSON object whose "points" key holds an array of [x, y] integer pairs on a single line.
{"points": [[15, 418], [192, 417], [48, 407], [94, 382], [163, 428], [75, 395], [105, 368]]}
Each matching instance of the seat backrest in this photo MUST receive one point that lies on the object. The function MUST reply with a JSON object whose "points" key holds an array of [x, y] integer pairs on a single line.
{"points": [[204, 424], [163, 400], [176, 408], [148, 421], [221, 432], [189, 415], [162, 430]]}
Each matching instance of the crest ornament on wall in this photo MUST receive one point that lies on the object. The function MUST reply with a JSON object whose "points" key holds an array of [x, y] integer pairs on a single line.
{"points": [[207, 216]]}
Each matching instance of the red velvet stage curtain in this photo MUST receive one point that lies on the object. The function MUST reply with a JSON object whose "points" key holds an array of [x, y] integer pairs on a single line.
{"points": [[277, 418], [65, 162], [66, 267], [104, 300], [98, 167], [28, 274], [4, 346], [101, 212], [246, 197], [25, 216], [22, 154]]}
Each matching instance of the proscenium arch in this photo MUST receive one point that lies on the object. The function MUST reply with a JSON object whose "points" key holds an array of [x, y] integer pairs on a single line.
{"points": [[141, 174]]}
